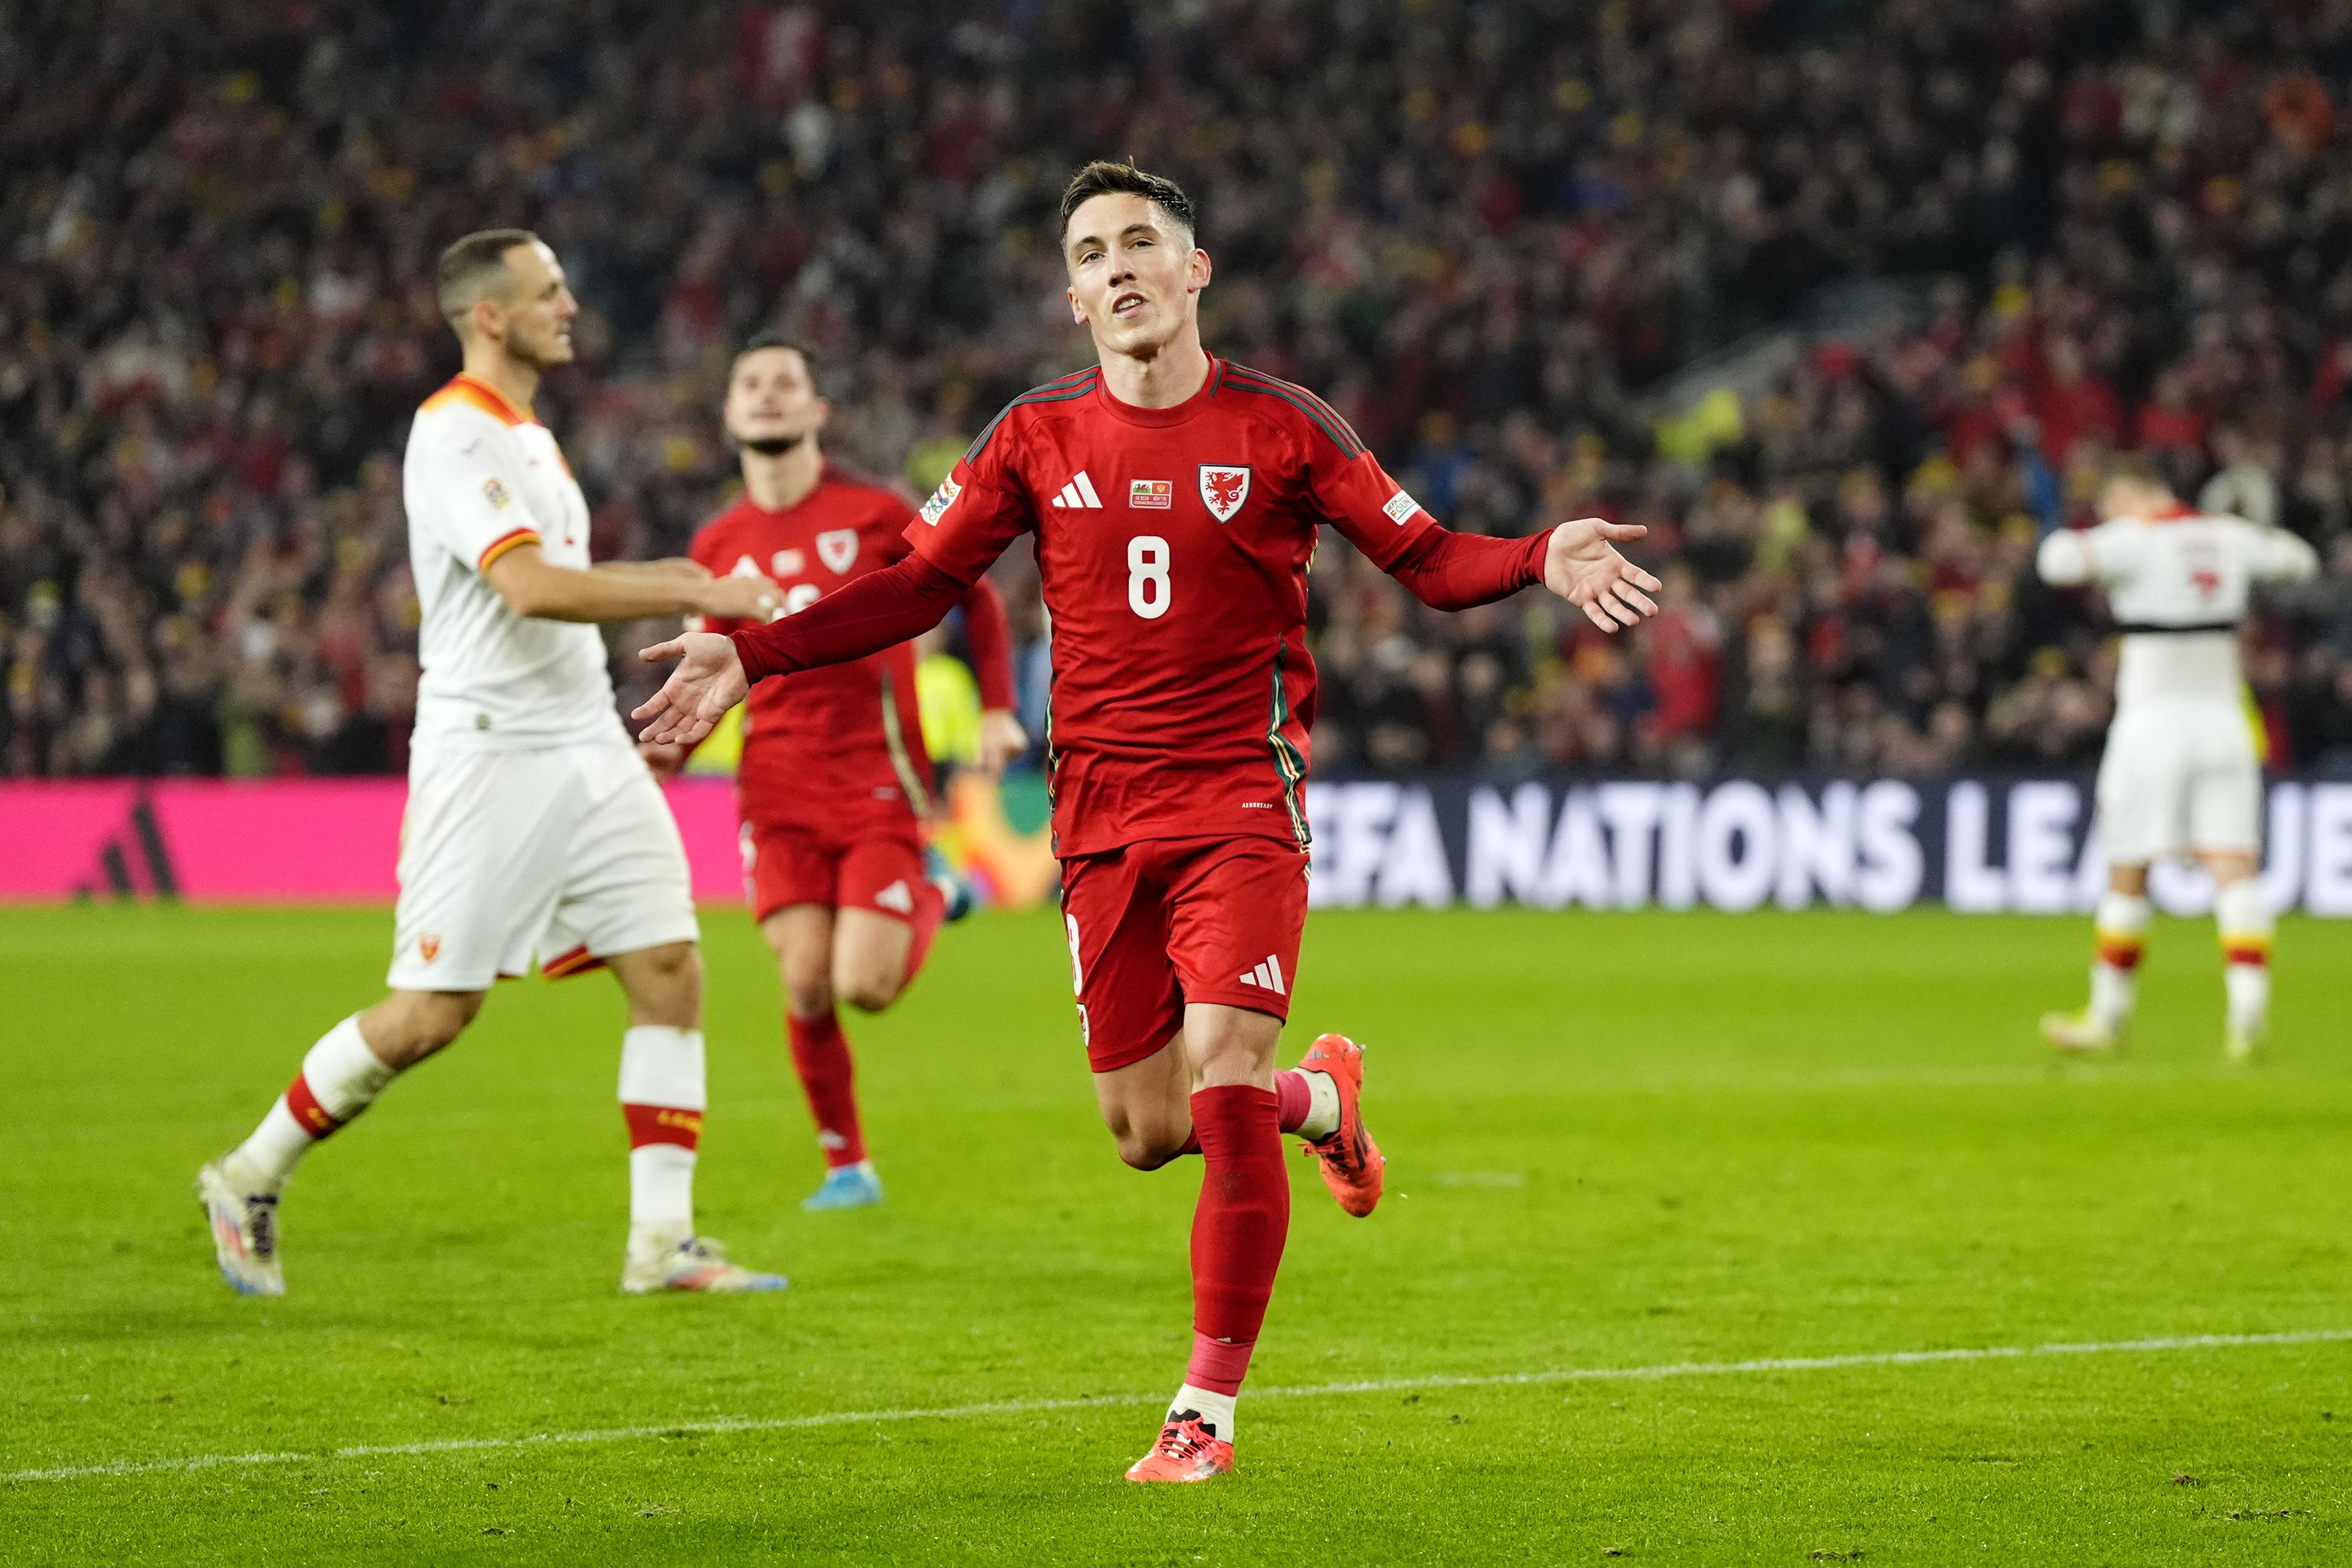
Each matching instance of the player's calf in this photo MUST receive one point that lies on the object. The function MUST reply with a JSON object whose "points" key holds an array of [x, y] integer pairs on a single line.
{"points": [[2121, 936], [341, 1076], [2241, 912]]}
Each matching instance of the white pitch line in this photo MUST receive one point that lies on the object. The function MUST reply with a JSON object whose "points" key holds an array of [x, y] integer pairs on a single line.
{"points": [[1319, 1390]]}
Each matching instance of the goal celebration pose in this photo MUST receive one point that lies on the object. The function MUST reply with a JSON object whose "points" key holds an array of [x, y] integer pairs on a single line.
{"points": [[2181, 776], [834, 782], [532, 827], [1174, 498]]}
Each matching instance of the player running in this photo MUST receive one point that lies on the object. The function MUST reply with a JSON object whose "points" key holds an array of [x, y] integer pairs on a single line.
{"points": [[834, 783], [1174, 497], [533, 828], [2181, 776]]}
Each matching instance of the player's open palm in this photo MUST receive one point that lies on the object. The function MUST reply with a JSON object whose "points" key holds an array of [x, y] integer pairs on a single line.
{"points": [[1583, 567], [709, 681]]}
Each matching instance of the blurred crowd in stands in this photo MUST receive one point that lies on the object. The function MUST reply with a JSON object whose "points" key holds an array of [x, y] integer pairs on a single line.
{"points": [[1489, 231]]}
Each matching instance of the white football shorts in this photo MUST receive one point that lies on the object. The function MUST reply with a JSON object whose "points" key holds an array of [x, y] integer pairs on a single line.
{"points": [[567, 853], [2178, 777]]}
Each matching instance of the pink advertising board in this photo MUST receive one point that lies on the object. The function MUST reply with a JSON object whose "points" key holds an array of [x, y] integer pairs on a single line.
{"points": [[276, 841]]}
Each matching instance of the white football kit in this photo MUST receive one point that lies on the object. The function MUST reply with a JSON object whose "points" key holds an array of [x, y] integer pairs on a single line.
{"points": [[532, 827], [2180, 772]]}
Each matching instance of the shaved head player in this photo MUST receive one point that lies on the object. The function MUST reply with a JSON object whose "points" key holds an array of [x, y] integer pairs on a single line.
{"points": [[1175, 498], [532, 829]]}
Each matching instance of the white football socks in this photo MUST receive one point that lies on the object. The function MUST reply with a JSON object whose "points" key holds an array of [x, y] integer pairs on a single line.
{"points": [[2122, 930], [339, 1076], [663, 1096], [1215, 1410], [2243, 915]]}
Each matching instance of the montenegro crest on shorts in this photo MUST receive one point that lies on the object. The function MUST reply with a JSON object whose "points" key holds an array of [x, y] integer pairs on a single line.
{"points": [[1223, 488], [837, 547]]}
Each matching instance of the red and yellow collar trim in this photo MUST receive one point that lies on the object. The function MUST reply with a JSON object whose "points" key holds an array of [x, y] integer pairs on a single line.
{"points": [[482, 395]]}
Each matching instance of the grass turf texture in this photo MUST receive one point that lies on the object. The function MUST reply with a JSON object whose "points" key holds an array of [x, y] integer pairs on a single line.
{"points": [[1615, 1141]]}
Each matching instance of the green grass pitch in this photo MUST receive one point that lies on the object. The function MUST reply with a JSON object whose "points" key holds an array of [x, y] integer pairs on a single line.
{"points": [[1617, 1143]]}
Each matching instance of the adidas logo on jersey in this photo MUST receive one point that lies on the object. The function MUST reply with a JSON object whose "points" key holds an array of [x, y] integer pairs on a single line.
{"points": [[896, 897], [1080, 493], [1266, 976]]}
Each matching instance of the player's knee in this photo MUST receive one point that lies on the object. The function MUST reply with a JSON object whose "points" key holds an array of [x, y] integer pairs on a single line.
{"points": [[665, 985], [2229, 866], [808, 987], [868, 989], [1144, 1153], [410, 1025], [443, 1022], [1148, 1145]]}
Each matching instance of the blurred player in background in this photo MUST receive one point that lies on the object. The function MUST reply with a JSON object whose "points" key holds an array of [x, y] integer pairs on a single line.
{"points": [[532, 829], [2181, 776], [834, 784], [1175, 499]]}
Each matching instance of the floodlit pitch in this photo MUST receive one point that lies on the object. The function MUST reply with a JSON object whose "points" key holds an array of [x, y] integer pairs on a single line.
{"points": [[1792, 1239]]}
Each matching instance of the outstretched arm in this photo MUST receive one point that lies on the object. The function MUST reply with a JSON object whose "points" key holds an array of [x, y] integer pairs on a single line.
{"points": [[2280, 556], [879, 611], [2064, 559], [1575, 560], [620, 590]]}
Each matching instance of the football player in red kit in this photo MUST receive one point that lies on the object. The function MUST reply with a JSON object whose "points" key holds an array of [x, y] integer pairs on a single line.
{"points": [[1174, 498], [834, 782]]}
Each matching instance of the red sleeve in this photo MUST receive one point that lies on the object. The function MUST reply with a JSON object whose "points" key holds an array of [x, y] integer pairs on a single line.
{"points": [[880, 610], [991, 644], [978, 509], [1349, 487], [1447, 570]]}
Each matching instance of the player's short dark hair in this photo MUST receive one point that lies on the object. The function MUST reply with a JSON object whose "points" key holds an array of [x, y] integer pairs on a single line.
{"points": [[1104, 178], [765, 340], [476, 268]]}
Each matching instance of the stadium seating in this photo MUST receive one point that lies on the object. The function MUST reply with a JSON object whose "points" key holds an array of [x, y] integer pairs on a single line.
{"points": [[1488, 234]]}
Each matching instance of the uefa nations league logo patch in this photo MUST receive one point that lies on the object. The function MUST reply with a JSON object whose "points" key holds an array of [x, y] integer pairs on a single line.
{"points": [[941, 499], [1223, 488]]}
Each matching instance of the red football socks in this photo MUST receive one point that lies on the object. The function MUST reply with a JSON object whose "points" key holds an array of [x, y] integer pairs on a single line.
{"points": [[1296, 1099], [820, 1057], [1294, 1102], [1238, 1229]]}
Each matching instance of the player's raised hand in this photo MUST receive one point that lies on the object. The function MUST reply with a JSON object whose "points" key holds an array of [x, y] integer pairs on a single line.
{"points": [[1002, 740], [709, 681], [1583, 567]]}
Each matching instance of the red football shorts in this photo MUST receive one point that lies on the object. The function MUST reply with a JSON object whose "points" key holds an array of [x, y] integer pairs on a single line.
{"points": [[881, 870], [1156, 924]]}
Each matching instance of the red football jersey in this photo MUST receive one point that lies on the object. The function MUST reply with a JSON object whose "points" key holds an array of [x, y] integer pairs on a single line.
{"points": [[1172, 545], [833, 748]]}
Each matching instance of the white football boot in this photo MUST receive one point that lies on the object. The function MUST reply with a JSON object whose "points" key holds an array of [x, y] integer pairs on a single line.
{"points": [[244, 1232], [669, 1260], [2244, 1042], [2081, 1034]]}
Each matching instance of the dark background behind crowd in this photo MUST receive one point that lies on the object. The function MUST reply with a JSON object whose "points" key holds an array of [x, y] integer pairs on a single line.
{"points": [[1492, 233]]}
